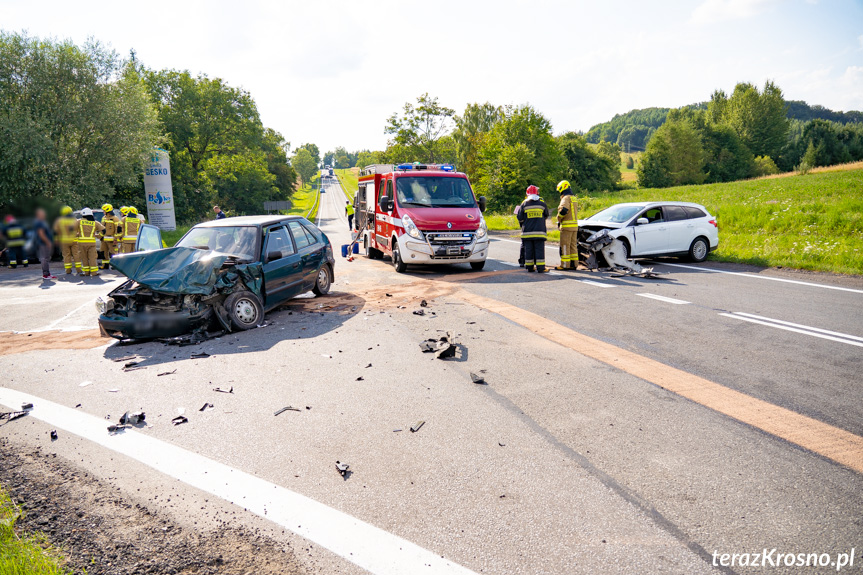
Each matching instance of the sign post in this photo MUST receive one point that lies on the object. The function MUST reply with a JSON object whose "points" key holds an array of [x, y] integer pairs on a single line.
{"points": [[160, 194]]}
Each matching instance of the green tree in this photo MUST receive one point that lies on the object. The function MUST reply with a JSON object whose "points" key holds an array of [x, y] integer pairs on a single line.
{"points": [[314, 151], [471, 128], [367, 158], [764, 166], [630, 162], [674, 156], [588, 168], [304, 163], [76, 121], [419, 130], [758, 118], [518, 151]]}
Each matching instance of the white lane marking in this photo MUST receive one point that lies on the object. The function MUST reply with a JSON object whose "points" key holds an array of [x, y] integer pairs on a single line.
{"points": [[54, 324], [593, 283], [663, 298], [756, 276], [505, 263], [361, 543], [818, 329], [794, 329], [547, 247]]}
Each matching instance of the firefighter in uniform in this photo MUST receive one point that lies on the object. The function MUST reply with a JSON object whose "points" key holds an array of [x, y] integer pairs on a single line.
{"points": [[88, 227], [111, 236], [349, 211], [131, 224], [567, 221], [65, 230], [13, 232], [532, 217]]}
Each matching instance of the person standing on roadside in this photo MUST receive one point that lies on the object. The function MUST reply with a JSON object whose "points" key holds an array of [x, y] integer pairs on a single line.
{"points": [[532, 217], [220, 215], [44, 243], [349, 211], [13, 233], [111, 236], [131, 225], [65, 230], [567, 221], [88, 227]]}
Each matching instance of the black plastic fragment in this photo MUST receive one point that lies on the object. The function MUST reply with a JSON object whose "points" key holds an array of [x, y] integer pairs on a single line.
{"points": [[416, 426], [166, 373], [180, 419], [342, 468], [53, 434], [424, 303], [419, 312], [478, 379], [288, 408], [220, 390], [132, 418], [207, 407], [200, 355], [26, 406]]}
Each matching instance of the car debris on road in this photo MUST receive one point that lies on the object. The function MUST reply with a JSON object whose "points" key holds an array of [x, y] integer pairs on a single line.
{"points": [[443, 348], [166, 373], [288, 408], [180, 419], [601, 250], [416, 426], [478, 379], [220, 390], [342, 468], [13, 415]]}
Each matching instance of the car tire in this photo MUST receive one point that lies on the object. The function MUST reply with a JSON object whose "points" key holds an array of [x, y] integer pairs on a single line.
{"points": [[626, 249], [244, 309], [399, 264], [699, 250], [323, 281], [477, 266]]}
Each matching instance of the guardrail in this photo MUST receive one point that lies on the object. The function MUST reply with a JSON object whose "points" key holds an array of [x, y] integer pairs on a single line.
{"points": [[317, 197]]}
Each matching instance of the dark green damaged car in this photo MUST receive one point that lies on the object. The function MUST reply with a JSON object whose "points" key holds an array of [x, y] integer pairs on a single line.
{"points": [[229, 271]]}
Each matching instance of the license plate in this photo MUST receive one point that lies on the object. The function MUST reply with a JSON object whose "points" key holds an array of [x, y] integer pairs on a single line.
{"points": [[450, 236], [453, 251]]}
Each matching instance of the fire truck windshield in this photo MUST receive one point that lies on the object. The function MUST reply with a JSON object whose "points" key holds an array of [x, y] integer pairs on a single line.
{"points": [[434, 192]]}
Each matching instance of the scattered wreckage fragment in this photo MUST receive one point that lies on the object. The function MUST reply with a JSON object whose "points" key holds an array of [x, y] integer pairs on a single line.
{"points": [[601, 250], [443, 348]]}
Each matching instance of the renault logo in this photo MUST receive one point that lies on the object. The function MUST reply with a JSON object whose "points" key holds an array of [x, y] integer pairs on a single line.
{"points": [[449, 225]]}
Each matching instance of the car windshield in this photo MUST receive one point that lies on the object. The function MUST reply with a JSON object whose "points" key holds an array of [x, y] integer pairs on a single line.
{"points": [[238, 241], [615, 214], [434, 192]]}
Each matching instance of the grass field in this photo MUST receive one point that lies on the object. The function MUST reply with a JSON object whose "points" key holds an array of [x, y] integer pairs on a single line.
{"points": [[24, 555], [348, 178], [305, 200], [812, 222]]}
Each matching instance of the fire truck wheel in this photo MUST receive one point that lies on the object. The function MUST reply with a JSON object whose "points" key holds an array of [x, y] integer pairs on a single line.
{"points": [[398, 264], [324, 281], [371, 253], [476, 266]]}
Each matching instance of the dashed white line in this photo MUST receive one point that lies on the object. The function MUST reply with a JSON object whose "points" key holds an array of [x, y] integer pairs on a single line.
{"points": [[598, 284], [663, 298], [760, 277], [797, 328], [361, 543]]}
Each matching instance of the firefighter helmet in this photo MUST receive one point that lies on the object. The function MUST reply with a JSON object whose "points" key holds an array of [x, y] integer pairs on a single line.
{"points": [[563, 186], [86, 212], [532, 191], [133, 210], [107, 208], [66, 211], [124, 210]]}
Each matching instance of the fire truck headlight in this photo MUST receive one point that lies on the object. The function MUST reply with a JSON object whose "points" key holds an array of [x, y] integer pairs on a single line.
{"points": [[482, 229], [411, 228]]}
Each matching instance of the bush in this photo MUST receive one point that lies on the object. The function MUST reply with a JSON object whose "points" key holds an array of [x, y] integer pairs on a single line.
{"points": [[765, 166], [630, 163]]}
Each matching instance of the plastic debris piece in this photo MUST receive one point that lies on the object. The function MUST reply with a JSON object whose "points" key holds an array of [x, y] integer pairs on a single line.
{"points": [[113, 390], [200, 355], [326, 356], [361, 378], [166, 373], [389, 295], [179, 419], [397, 430], [478, 379], [126, 358], [501, 444], [424, 303], [416, 426], [77, 406], [419, 312], [26, 406], [114, 428], [13, 415], [308, 407], [53, 434], [132, 418], [343, 469], [220, 390], [85, 383], [368, 366], [207, 407], [288, 408]]}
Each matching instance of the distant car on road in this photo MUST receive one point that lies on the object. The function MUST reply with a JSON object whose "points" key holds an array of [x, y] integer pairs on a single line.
{"points": [[229, 271], [657, 229]]}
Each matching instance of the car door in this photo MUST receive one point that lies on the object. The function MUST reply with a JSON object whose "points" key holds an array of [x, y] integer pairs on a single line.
{"points": [[149, 238], [308, 248], [652, 237], [680, 229], [283, 268]]}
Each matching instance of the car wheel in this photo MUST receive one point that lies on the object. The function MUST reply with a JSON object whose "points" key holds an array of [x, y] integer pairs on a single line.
{"points": [[625, 249], [324, 281], [699, 249], [244, 309], [477, 266], [398, 264]]}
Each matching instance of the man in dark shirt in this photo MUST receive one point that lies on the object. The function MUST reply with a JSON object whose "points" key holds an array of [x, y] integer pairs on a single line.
{"points": [[220, 215], [44, 243]]}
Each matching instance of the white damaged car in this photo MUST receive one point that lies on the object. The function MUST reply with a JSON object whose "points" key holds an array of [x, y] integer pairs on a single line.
{"points": [[652, 229]]}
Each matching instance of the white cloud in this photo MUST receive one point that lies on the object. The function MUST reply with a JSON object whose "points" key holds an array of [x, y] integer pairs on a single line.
{"points": [[714, 11]]}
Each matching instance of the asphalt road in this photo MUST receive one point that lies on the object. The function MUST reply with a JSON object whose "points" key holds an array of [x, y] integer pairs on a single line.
{"points": [[593, 448]]}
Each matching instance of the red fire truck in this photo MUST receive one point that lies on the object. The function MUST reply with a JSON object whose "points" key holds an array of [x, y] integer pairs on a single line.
{"points": [[420, 214]]}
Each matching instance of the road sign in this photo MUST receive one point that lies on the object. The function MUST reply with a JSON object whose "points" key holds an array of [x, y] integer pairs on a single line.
{"points": [[160, 194]]}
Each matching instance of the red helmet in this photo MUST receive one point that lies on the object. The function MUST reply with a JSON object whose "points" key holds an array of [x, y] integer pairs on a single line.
{"points": [[532, 191], [9, 218]]}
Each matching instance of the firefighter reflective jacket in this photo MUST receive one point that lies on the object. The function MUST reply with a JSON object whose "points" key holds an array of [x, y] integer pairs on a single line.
{"points": [[567, 211], [14, 233], [112, 228], [66, 228], [531, 218], [87, 231], [130, 229], [349, 209]]}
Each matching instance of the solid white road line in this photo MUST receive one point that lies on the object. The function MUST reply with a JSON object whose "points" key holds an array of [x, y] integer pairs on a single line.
{"points": [[773, 323], [361, 543], [547, 247], [760, 277], [55, 323], [593, 283], [818, 329], [663, 298]]}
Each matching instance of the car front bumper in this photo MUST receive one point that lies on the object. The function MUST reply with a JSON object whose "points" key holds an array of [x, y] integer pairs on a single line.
{"points": [[147, 325], [415, 251]]}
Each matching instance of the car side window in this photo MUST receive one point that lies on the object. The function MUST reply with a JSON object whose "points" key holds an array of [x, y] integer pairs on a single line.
{"points": [[300, 235], [149, 238], [312, 235], [279, 240], [653, 215], [674, 213], [693, 213]]}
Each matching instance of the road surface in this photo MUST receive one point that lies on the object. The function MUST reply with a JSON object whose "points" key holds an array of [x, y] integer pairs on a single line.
{"points": [[627, 425]]}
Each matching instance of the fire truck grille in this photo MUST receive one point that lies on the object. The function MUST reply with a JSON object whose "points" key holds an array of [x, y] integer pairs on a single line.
{"points": [[448, 238]]}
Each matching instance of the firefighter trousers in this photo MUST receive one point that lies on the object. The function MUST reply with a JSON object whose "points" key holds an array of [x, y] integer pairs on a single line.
{"points": [[569, 248], [128, 247], [89, 259], [534, 253], [16, 256], [109, 250], [70, 256]]}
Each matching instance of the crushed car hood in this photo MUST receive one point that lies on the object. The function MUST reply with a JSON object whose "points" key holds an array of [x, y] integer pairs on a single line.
{"points": [[187, 271]]}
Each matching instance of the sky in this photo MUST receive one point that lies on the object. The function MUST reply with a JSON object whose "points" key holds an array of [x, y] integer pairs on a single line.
{"points": [[331, 72]]}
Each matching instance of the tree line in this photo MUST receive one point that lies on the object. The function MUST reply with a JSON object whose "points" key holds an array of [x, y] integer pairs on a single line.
{"points": [[79, 122]]}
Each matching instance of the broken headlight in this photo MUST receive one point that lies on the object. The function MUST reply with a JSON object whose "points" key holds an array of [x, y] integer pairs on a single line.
{"points": [[104, 306]]}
